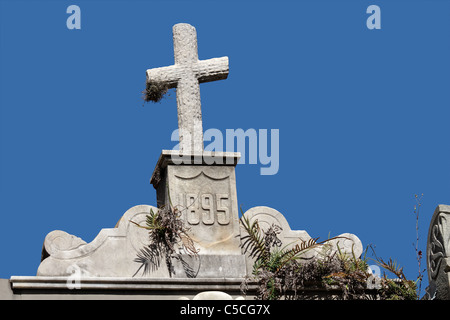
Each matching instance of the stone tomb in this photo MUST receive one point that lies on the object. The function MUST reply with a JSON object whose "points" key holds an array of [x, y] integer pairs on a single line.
{"points": [[201, 184]]}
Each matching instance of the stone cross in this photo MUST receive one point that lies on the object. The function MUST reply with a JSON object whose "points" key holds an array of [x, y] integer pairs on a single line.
{"points": [[186, 75]]}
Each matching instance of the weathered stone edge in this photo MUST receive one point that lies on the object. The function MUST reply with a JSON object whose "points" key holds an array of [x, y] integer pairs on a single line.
{"points": [[111, 283], [201, 158]]}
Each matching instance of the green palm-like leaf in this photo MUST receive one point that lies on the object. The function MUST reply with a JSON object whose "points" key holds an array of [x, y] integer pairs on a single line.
{"points": [[253, 241], [295, 253]]}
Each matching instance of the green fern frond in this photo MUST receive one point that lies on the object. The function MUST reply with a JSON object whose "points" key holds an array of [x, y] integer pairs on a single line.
{"points": [[392, 266], [253, 241]]}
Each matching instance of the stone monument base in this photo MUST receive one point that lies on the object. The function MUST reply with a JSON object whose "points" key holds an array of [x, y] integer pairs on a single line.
{"points": [[116, 264]]}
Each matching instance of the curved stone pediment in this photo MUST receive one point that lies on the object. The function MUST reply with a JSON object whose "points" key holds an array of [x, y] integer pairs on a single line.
{"points": [[347, 243], [110, 254]]}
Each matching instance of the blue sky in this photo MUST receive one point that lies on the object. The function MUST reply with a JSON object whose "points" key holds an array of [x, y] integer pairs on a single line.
{"points": [[362, 114]]}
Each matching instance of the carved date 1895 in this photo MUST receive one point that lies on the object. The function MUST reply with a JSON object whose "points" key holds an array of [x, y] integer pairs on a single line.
{"points": [[207, 208]]}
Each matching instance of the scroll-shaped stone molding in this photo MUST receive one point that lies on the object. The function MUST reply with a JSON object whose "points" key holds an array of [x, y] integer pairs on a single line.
{"points": [[438, 253], [267, 217], [213, 295], [349, 244], [57, 241], [110, 254]]}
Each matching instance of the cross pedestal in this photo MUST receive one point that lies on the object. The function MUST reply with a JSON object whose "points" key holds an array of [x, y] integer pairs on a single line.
{"points": [[205, 195]]}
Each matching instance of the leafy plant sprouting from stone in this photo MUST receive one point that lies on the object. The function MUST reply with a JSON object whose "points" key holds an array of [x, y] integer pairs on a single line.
{"points": [[288, 273], [399, 288], [278, 271], [259, 245], [167, 233]]}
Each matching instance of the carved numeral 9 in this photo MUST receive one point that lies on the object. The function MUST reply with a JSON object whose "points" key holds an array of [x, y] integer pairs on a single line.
{"points": [[207, 203]]}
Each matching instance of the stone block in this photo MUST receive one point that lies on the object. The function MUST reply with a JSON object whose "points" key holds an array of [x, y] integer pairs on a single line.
{"points": [[205, 195]]}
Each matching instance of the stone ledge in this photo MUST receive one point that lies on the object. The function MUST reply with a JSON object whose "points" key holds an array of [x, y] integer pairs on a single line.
{"points": [[106, 288], [175, 157], [112, 283]]}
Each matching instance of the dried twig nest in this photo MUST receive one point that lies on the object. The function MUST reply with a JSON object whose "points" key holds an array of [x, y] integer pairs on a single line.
{"points": [[154, 91]]}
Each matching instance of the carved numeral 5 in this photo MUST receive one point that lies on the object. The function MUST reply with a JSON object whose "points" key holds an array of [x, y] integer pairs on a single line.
{"points": [[223, 213]]}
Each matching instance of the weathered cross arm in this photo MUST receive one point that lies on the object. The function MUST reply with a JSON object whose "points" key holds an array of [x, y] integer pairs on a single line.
{"points": [[186, 75], [204, 70]]}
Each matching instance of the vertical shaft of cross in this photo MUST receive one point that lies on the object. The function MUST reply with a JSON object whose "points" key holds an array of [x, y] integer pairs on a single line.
{"points": [[189, 115], [188, 89], [186, 75], [185, 44]]}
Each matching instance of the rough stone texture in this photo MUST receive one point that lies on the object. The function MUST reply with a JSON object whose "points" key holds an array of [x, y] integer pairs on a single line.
{"points": [[438, 254], [186, 75]]}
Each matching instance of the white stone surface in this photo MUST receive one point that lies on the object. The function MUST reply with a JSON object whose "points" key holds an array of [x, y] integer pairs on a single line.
{"points": [[113, 252], [213, 295], [206, 197], [59, 240], [110, 254], [185, 75]]}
